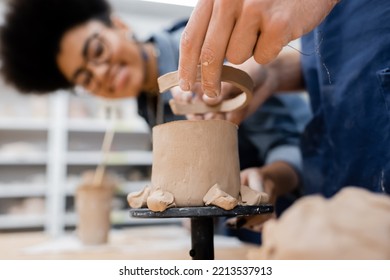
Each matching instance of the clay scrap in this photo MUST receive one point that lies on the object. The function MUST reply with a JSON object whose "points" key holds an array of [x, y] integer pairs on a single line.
{"points": [[216, 196], [138, 199], [354, 224], [159, 200], [249, 196]]}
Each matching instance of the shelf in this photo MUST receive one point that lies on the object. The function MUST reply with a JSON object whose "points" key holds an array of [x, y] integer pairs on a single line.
{"points": [[24, 124], [59, 148], [129, 187], [135, 125], [21, 190], [21, 221], [114, 158], [124, 188], [38, 158]]}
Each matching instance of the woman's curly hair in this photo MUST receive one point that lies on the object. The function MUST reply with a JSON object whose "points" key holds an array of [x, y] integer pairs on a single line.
{"points": [[30, 38]]}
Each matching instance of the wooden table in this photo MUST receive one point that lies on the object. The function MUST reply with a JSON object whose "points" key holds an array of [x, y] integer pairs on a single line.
{"points": [[171, 242]]}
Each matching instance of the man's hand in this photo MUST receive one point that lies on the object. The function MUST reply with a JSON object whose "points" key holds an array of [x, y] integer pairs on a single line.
{"points": [[274, 179], [264, 86], [197, 96], [237, 30]]}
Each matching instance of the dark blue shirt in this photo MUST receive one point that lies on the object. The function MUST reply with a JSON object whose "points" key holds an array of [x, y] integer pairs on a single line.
{"points": [[346, 68]]}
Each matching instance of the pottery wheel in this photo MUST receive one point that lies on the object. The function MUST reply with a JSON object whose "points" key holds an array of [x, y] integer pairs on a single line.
{"points": [[202, 223], [202, 211]]}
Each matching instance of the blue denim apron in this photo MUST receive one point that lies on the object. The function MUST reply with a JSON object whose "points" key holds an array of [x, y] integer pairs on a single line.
{"points": [[346, 66]]}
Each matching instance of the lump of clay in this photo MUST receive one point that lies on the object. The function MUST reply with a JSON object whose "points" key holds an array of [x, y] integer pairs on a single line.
{"points": [[216, 196], [160, 200], [354, 224], [252, 197], [138, 199]]}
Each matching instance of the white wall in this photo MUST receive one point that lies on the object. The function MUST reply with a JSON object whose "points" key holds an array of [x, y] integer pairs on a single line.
{"points": [[146, 16]]}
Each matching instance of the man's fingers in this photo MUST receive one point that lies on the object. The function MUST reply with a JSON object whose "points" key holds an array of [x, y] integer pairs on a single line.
{"points": [[215, 116], [191, 43], [246, 173], [244, 36], [255, 181], [181, 96], [254, 222], [272, 39], [214, 47], [266, 50], [195, 117]]}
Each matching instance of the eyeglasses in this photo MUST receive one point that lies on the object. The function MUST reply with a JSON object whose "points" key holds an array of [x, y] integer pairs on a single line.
{"points": [[96, 51]]}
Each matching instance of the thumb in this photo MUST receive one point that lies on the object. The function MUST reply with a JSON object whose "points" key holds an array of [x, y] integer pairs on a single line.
{"points": [[255, 181]]}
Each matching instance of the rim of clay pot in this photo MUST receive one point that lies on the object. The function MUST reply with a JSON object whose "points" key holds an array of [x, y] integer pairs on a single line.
{"points": [[234, 76], [196, 121]]}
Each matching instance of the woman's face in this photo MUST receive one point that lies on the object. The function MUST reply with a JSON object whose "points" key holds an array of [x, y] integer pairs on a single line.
{"points": [[101, 59]]}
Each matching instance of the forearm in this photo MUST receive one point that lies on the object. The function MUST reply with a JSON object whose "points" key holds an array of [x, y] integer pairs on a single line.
{"points": [[285, 72], [275, 179], [282, 75]]}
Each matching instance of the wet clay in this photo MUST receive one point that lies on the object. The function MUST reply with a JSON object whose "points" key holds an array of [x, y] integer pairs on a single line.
{"points": [[160, 200], [354, 224], [249, 196], [189, 157], [138, 199], [216, 196]]}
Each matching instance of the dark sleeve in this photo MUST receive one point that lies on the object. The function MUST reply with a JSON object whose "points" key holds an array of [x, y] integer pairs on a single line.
{"points": [[273, 132]]}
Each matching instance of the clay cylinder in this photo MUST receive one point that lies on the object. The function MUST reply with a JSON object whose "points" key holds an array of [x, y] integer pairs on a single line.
{"points": [[189, 157], [93, 205]]}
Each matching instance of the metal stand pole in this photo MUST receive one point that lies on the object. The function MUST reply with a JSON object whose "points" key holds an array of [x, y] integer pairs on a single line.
{"points": [[202, 238]]}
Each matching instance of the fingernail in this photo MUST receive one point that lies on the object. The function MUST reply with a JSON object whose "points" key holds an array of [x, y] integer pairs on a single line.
{"points": [[184, 85], [211, 93], [210, 100]]}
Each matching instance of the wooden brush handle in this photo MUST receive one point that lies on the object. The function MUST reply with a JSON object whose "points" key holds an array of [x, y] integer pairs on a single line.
{"points": [[232, 75]]}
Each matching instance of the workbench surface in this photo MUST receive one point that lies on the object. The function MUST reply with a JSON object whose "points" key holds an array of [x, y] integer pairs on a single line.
{"points": [[140, 242]]}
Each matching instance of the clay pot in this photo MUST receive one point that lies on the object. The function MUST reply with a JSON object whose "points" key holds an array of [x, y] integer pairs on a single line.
{"points": [[93, 205], [189, 157]]}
